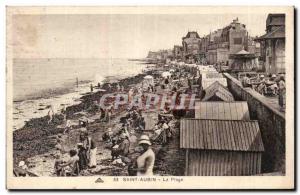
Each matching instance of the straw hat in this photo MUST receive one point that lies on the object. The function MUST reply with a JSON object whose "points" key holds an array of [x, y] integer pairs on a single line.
{"points": [[144, 139], [273, 76], [262, 76]]}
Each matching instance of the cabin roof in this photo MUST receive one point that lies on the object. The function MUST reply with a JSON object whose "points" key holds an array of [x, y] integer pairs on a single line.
{"points": [[230, 135], [222, 110], [217, 89]]}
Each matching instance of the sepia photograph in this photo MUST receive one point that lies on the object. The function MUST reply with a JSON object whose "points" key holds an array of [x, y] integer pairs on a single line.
{"points": [[146, 97]]}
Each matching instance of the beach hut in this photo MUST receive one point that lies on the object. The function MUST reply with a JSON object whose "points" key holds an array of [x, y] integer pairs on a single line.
{"points": [[221, 147], [217, 92], [222, 110]]}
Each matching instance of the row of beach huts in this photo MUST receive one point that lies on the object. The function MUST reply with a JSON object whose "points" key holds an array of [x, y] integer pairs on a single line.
{"points": [[221, 139]]}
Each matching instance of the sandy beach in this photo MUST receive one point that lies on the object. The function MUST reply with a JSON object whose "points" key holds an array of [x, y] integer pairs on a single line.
{"points": [[38, 142]]}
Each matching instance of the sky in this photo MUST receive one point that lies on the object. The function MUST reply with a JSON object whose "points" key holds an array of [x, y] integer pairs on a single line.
{"points": [[114, 36]]}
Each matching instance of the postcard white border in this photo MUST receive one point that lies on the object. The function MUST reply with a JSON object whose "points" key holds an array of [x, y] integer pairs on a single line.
{"points": [[233, 182]]}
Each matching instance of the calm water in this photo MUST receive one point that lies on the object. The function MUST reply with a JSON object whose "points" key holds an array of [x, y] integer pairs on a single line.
{"points": [[38, 83], [33, 77]]}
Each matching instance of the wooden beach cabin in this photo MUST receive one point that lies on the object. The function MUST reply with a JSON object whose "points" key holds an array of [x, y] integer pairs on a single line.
{"points": [[221, 147], [222, 110], [217, 92], [208, 78]]}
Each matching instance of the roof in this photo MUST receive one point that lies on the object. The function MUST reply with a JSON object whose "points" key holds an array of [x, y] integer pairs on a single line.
{"points": [[211, 74], [188, 35], [217, 89], [275, 19], [208, 82], [275, 34], [222, 110], [230, 135]]}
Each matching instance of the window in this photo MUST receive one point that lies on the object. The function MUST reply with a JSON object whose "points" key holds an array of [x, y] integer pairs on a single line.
{"points": [[237, 41]]}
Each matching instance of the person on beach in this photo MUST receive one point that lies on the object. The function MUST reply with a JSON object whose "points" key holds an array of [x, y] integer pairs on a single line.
{"points": [[107, 136], [246, 82], [57, 168], [108, 115], [124, 145], [70, 168], [130, 94], [21, 170], [145, 162], [64, 112], [50, 114], [109, 87], [83, 161], [92, 88], [68, 127], [118, 87], [91, 149]]}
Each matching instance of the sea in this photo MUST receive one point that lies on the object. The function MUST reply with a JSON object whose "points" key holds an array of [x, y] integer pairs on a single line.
{"points": [[39, 83]]}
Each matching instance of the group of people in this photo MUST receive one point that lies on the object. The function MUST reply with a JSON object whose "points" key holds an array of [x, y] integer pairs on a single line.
{"points": [[272, 86], [81, 158], [140, 161], [162, 130]]}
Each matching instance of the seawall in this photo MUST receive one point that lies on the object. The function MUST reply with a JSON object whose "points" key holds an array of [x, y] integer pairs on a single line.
{"points": [[271, 122]]}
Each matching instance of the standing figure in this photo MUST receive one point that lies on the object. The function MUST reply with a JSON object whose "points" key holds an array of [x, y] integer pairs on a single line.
{"points": [[68, 127], [50, 114], [92, 88], [281, 93], [145, 162], [91, 148], [118, 87], [83, 161]]}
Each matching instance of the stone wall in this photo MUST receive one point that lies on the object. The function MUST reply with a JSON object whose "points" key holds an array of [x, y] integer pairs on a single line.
{"points": [[271, 123]]}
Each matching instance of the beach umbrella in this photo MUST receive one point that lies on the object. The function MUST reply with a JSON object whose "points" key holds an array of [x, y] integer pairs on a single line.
{"points": [[166, 74]]}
